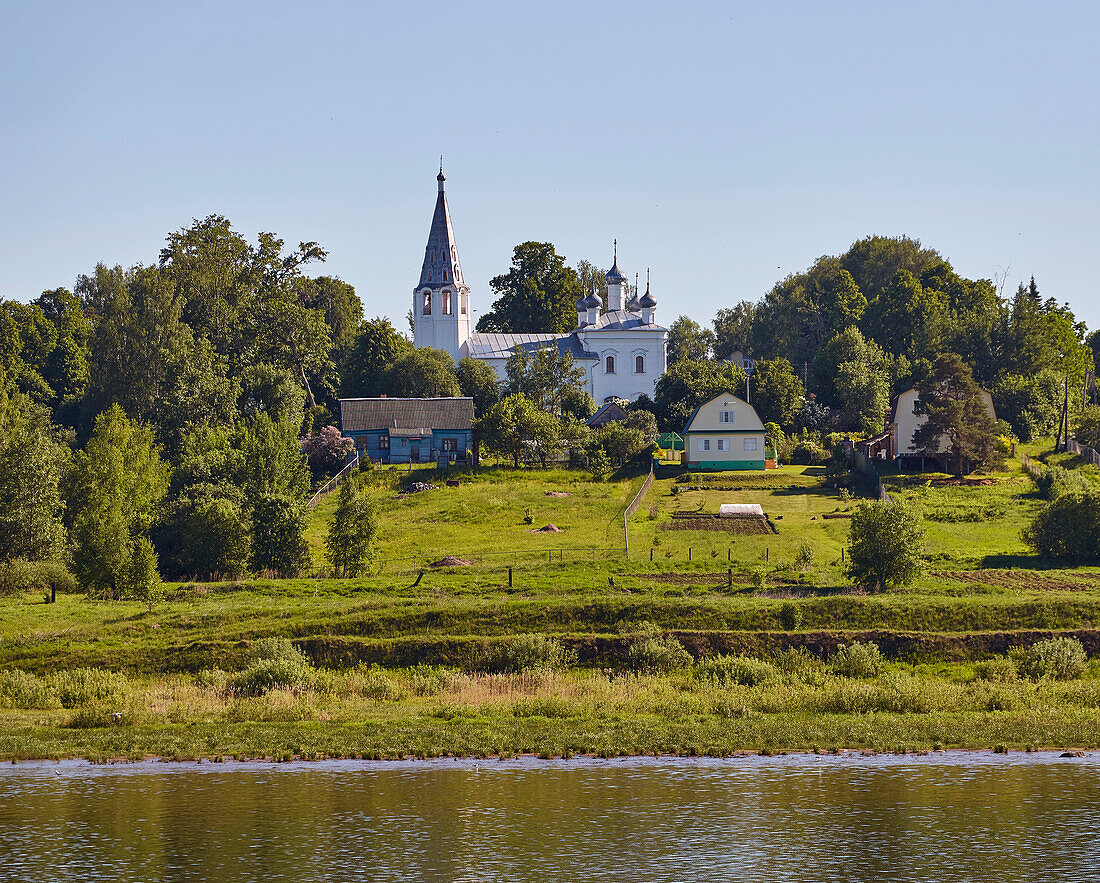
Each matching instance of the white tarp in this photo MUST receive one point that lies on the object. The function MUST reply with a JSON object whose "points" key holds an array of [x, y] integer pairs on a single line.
{"points": [[740, 509]]}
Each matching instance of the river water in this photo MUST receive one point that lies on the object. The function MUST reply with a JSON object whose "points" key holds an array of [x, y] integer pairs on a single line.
{"points": [[950, 817]]}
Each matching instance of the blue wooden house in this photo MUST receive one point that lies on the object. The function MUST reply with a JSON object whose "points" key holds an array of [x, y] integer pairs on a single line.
{"points": [[410, 430]]}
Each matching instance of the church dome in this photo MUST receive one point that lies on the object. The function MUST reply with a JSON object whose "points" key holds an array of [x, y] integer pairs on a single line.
{"points": [[592, 302], [648, 301], [633, 305], [615, 275]]}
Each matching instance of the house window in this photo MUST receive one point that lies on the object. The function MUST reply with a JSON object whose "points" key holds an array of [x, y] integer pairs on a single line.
{"points": [[639, 364], [427, 303], [721, 444], [450, 445], [446, 303], [609, 365], [725, 417], [750, 444], [383, 442], [704, 444], [360, 443], [918, 407]]}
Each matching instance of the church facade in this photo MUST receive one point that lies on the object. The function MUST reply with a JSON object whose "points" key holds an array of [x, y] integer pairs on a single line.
{"points": [[622, 348]]}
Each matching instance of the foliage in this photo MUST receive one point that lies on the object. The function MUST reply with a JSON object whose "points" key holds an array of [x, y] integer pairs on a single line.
{"points": [[142, 579], [537, 294], [203, 534], [655, 653], [1031, 404], [1088, 427], [958, 420], [479, 381], [271, 460], [351, 534], [619, 441], [1059, 659], [688, 340], [1055, 481], [1068, 529], [113, 489], [19, 576], [687, 385], [887, 545], [733, 330], [422, 373], [277, 542], [514, 426], [777, 394], [552, 381], [527, 652], [274, 664], [857, 660], [326, 451], [375, 347], [730, 670]]}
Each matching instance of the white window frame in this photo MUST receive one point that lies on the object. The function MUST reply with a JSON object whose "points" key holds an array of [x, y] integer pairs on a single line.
{"points": [[725, 416], [721, 444], [749, 441], [704, 444]]}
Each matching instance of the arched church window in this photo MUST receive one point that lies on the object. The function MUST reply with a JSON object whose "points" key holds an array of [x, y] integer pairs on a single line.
{"points": [[463, 306], [609, 365], [446, 303], [427, 303], [639, 364], [444, 276]]}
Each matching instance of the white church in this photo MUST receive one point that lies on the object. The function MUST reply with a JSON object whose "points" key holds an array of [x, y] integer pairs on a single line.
{"points": [[622, 350]]}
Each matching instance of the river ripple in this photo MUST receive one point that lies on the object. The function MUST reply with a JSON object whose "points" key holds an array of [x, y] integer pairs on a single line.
{"points": [[952, 817]]}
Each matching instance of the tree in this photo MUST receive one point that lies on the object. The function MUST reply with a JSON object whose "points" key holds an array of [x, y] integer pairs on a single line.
{"points": [[479, 381], [270, 460], [550, 379], [278, 544], [887, 545], [326, 451], [733, 330], [376, 347], [1031, 404], [142, 580], [113, 490], [514, 426], [338, 303], [538, 294], [352, 531], [272, 391], [777, 394], [423, 373], [203, 534], [957, 416], [688, 340], [618, 440], [687, 385], [1088, 427]]}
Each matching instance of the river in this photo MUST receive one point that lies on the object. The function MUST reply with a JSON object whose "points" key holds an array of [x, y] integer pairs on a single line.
{"points": [[951, 817]]}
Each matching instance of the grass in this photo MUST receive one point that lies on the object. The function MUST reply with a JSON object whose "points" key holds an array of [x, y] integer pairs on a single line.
{"points": [[983, 593]]}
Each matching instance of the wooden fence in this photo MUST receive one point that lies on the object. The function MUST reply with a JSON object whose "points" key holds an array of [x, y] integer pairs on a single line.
{"points": [[502, 558], [863, 465], [1030, 466], [1083, 451], [329, 486]]}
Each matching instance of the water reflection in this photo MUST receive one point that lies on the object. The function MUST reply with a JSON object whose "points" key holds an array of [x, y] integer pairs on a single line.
{"points": [[955, 817]]}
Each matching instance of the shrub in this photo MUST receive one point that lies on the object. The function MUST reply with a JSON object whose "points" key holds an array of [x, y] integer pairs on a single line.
{"points": [[213, 679], [528, 515], [1055, 481], [275, 663], [545, 706], [1058, 659], [758, 578], [84, 686], [728, 670], [799, 662], [887, 545], [429, 680], [790, 615], [527, 653], [655, 654], [277, 541], [20, 689], [20, 575], [999, 669], [142, 579], [351, 535], [804, 558], [1067, 529], [857, 660], [376, 684]]}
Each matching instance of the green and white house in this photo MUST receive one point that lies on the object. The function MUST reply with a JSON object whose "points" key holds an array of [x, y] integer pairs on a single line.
{"points": [[724, 433]]}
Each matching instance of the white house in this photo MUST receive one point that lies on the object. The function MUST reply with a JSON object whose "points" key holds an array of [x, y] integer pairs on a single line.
{"points": [[621, 349], [907, 415], [724, 433]]}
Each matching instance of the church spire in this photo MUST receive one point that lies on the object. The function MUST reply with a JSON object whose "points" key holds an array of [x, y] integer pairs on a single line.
{"points": [[441, 267]]}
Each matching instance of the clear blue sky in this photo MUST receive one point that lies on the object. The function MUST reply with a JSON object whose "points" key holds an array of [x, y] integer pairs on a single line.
{"points": [[725, 145]]}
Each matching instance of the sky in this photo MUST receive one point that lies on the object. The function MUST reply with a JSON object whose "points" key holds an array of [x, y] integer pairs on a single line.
{"points": [[725, 145]]}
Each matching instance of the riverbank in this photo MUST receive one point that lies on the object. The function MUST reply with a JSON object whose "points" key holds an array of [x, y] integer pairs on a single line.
{"points": [[424, 713]]}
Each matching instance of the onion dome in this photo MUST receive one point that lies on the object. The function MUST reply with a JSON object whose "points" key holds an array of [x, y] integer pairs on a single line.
{"points": [[615, 275], [580, 304], [648, 301], [633, 305], [592, 302]]}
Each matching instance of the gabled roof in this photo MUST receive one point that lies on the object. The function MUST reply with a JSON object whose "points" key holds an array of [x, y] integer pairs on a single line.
{"points": [[500, 346], [360, 415], [441, 253], [732, 427], [610, 413]]}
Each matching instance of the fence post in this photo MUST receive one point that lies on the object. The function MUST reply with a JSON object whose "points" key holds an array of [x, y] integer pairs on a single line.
{"points": [[509, 577], [689, 553], [651, 555], [729, 578]]}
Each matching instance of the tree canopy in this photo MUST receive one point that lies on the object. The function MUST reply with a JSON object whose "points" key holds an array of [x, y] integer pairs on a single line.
{"points": [[537, 294]]}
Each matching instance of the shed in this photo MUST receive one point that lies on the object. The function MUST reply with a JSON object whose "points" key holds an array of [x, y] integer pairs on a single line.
{"points": [[438, 430]]}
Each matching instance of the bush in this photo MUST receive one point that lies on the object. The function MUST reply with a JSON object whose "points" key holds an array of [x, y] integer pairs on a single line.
{"points": [[887, 545], [999, 669], [376, 684], [20, 689], [804, 558], [275, 664], [1055, 481], [728, 670], [19, 576], [527, 653], [429, 680], [790, 615], [1058, 659], [654, 654], [800, 663], [277, 541], [142, 579], [1068, 529], [85, 686], [203, 536], [857, 660]]}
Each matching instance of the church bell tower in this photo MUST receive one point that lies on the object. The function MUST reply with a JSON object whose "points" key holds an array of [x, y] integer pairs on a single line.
{"points": [[441, 302]]}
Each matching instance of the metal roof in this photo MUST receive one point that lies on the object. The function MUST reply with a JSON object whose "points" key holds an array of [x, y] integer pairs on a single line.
{"points": [[501, 346], [441, 253], [359, 415], [622, 320]]}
